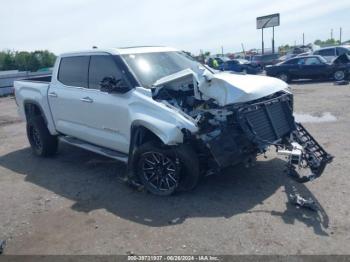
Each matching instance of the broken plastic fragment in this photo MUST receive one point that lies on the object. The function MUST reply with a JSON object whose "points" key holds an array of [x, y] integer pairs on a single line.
{"points": [[299, 201]]}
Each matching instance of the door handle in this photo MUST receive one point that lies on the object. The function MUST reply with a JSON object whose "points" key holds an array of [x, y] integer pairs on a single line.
{"points": [[53, 94], [87, 100]]}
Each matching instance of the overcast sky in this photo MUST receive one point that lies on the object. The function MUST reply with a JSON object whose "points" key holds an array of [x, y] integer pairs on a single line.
{"points": [[67, 25]]}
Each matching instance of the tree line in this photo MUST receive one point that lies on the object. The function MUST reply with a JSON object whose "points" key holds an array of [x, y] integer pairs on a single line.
{"points": [[26, 61]]}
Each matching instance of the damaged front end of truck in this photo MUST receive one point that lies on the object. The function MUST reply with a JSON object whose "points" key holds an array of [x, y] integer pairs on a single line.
{"points": [[239, 117]]}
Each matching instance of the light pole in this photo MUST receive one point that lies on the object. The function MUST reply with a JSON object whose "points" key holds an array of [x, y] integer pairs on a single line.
{"points": [[262, 40]]}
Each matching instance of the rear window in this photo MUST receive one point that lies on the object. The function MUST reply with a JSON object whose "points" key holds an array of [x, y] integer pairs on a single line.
{"points": [[343, 50], [73, 71]]}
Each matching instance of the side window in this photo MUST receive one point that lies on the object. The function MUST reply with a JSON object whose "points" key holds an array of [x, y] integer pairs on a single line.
{"points": [[291, 62], [327, 52], [102, 66], [312, 61], [73, 71], [301, 61]]}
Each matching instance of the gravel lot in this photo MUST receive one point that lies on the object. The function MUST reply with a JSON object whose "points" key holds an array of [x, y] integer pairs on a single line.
{"points": [[76, 203]]}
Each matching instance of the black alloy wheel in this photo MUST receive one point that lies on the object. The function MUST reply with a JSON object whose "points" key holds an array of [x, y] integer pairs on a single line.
{"points": [[159, 172]]}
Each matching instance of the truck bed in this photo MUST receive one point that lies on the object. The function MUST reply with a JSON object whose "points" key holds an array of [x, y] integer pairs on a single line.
{"points": [[35, 91], [44, 79]]}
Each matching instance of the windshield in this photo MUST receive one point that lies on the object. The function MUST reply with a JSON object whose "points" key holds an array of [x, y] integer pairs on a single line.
{"points": [[149, 67]]}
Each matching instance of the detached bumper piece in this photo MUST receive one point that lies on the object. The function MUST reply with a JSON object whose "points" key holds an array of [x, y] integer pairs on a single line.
{"points": [[271, 122], [306, 154], [268, 122]]}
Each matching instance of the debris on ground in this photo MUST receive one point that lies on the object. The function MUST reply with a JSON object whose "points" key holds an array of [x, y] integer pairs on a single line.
{"points": [[2, 246], [300, 201]]}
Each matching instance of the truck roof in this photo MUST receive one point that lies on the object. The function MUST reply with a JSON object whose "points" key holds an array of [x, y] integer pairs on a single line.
{"points": [[123, 50]]}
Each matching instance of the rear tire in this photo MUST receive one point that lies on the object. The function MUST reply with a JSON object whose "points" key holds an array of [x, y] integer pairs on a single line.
{"points": [[165, 170], [42, 142], [284, 77]]}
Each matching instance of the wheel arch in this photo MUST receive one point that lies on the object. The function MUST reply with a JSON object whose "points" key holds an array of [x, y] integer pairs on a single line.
{"points": [[33, 108], [140, 133]]}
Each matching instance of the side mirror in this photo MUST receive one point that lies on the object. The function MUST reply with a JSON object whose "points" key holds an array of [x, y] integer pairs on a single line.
{"points": [[111, 85]]}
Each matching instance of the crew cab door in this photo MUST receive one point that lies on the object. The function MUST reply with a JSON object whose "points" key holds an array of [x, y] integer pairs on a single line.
{"points": [[107, 114], [81, 110], [65, 94]]}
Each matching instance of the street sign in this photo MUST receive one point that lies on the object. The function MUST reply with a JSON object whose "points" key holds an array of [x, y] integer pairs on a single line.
{"points": [[267, 21]]}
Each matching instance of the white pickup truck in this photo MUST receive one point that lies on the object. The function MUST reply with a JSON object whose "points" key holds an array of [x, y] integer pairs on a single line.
{"points": [[167, 116]]}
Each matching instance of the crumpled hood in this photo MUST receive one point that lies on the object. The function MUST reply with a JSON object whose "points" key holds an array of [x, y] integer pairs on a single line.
{"points": [[228, 88]]}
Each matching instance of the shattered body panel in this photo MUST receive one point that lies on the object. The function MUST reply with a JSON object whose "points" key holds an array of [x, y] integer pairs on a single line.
{"points": [[239, 117], [229, 88]]}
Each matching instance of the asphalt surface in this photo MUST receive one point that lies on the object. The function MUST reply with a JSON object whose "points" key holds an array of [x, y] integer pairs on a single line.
{"points": [[76, 203]]}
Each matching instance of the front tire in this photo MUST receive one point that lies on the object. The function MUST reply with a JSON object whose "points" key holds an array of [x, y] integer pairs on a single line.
{"points": [[165, 170], [339, 75], [41, 141]]}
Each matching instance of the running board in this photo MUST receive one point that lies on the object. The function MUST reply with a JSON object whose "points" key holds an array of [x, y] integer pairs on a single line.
{"points": [[96, 149]]}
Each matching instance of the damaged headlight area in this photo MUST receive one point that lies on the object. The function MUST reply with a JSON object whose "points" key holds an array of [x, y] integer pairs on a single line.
{"points": [[237, 133]]}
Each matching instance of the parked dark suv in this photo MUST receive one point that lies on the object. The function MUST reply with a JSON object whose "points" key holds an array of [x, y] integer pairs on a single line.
{"points": [[264, 60], [330, 53]]}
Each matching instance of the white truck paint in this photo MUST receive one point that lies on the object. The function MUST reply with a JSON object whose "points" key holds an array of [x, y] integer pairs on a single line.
{"points": [[230, 88], [163, 113], [67, 113]]}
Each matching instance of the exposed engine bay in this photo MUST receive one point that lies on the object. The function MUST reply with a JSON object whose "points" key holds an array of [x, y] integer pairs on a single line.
{"points": [[231, 132]]}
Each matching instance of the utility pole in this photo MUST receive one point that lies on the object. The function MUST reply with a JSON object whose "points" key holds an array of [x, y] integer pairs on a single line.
{"points": [[340, 32], [273, 39], [303, 39], [243, 48], [331, 33], [222, 50]]}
